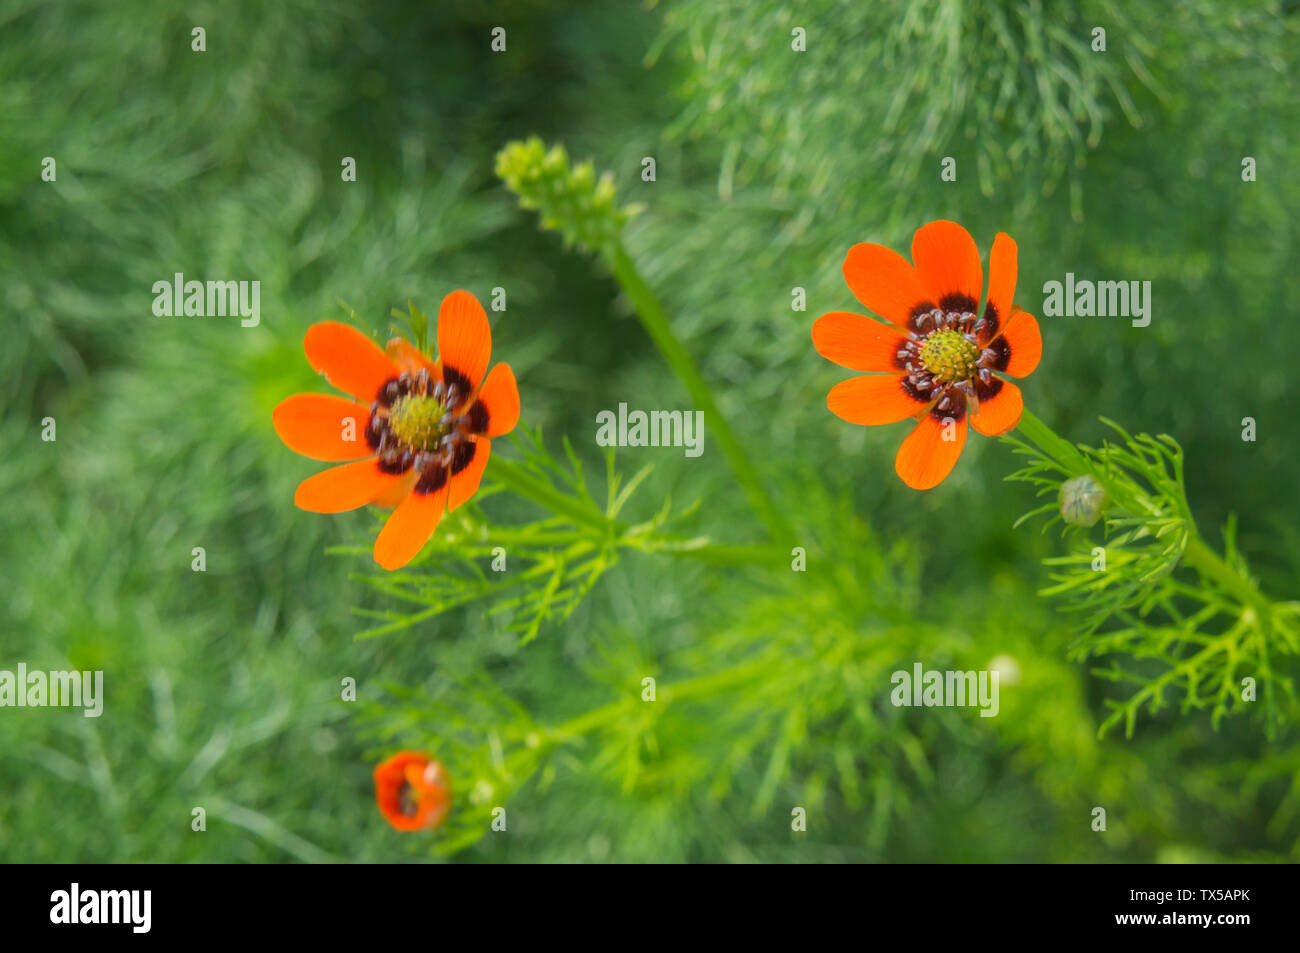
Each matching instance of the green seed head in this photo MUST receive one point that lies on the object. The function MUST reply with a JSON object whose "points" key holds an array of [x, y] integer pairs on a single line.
{"points": [[567, 196], [949, 356]]}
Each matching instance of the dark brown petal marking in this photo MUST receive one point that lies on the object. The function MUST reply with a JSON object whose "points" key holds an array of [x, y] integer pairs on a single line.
{"points": [[987, 390], [1002, 350], [912, 391], [462, 455], [454, 378], [375, 431], [991, 322], [395, 462], [917, 311], [389, 392], [957, 301], [408, 800], [478, 417], [952, 405], [431, 480]]}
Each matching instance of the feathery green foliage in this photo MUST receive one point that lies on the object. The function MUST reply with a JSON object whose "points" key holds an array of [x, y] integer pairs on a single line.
{"points": [[1212, 642], [771, 685]]}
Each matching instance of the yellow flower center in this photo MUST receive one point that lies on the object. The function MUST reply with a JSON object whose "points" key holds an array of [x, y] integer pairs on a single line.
{"points": [[419, 422], [949, 356]]}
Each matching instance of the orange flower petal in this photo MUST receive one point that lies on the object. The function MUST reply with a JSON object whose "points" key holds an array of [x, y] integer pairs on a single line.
{"points": [[1002, 285], [925, 457], [349, 360], [1020, 344], [432, 792], [948, 264], [857, 342], [1000, 410], [389, 776], [408, 357], [467, 472], [344, 488], [883, 280], [497, 409], [464, 341], [394, 496], [874, 400], [393, 770], [390, 772], [410, 527], [395, 817], [322, 426]]}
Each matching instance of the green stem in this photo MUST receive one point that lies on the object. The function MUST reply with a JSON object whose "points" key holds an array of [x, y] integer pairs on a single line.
{"points": [[1211, 565], [656, 324], [518, 480], [1056, 447]]}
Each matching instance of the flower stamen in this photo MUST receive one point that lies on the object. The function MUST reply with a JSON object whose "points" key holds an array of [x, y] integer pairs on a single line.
{"points": [[950, 356]]}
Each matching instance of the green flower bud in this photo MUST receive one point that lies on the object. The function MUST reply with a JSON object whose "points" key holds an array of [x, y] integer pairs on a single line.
{"points": [[567, 198], [1082, 500]]}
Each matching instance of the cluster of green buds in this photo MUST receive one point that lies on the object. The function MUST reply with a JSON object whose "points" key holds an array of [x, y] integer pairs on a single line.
{"points": [[568, 198]]}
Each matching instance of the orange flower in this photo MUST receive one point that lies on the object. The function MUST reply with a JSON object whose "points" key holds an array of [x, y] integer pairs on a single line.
{"points": [[936, 362], [413, 792], [419, 431]]}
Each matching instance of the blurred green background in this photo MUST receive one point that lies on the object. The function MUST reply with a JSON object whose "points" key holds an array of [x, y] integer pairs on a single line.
{"points": [[223, 687]]}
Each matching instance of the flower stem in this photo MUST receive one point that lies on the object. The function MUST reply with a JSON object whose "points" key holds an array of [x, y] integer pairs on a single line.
{"points": [[1213, 566], [518, 480], [1060, 449], [656, 324]]}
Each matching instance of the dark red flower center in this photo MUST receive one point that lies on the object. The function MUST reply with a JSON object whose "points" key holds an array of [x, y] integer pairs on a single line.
{"points": [[420, 423], [408, 800], [946, 363]]}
